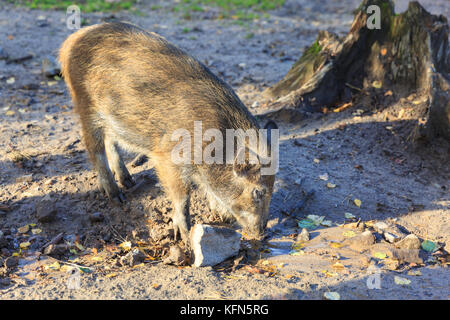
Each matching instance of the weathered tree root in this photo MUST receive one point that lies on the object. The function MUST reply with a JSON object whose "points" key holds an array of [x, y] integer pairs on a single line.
{"points": [[408, 54]]}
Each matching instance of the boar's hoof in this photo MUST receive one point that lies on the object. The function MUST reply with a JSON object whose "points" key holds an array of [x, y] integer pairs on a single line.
{"points": [[128, 182], [115, 196], [180, 231]]}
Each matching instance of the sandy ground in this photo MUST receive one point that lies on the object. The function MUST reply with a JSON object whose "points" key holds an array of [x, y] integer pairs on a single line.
{"points": [[364, 154]]}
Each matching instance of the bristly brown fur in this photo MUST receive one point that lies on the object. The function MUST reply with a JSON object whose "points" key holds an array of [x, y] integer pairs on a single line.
{"points": [[133, 88]]}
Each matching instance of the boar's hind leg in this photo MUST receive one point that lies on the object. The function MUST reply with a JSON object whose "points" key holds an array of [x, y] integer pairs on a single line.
{"points": [[178, 193], [116, 164], [93, 137]]}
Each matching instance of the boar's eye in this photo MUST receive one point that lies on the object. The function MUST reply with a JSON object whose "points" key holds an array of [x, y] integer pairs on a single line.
{"points": [[258, 194]]}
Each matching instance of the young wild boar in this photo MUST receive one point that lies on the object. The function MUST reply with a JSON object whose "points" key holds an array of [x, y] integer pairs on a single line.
{"points": [[133, 88]]}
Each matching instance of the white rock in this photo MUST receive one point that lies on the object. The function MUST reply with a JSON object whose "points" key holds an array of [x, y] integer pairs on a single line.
{"points": [[212, 245]]}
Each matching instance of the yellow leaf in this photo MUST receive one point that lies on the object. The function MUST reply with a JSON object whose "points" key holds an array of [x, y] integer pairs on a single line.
{"points": [[298, 245], [349, 234], [111, 275], [401, 281], [380, 255], [377, 84], [331, 185], [79, 246], [36, 231], [357, 202], [126, 245], [53, 266], [316, 161], [336, 245], [138, 265], [24, 229], [96, 258], [338, 266], [24, 245], [32, 225]]}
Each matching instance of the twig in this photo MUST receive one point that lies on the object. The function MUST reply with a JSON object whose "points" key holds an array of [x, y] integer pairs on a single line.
{"points": [[55, 240]]}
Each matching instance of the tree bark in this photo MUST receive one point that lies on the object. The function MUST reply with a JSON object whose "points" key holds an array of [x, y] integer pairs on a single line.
{"points": [[408, 54]]}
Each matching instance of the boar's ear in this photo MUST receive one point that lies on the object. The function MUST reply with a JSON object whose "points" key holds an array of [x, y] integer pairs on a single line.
{"points": [[270, 125], [246, 164]]}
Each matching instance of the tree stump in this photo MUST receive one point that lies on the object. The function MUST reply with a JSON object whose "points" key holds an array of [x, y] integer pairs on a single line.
{"points": [[408, 53]]}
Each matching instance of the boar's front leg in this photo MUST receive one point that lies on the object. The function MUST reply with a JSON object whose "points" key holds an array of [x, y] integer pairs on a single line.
{"points": [[116, 164], [178, 192], [94, 140]]}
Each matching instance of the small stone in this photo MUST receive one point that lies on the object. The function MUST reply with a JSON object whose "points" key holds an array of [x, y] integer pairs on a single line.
{"points": [[4, 282], [176, 256], [56, 250], [3, 54], [96, 217], [212, 245], [411, 241], [390, 237], [361, 242], [46, 211], [380, 226], [25, 178], [132, 258], [406, 255], [303, 236], [50, 67], [11, 262]]}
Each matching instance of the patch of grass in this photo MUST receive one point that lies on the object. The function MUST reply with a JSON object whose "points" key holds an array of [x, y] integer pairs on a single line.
{"points": [[234, 9], [84, 5]]}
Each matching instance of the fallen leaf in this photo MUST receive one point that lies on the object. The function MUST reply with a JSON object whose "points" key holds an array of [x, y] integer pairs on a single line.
{"points": [[380, 255], [428, 246], [307, 224], [36, 231], [24, 229], [336, 245], [298, 246], [348, 215], [401, 281], [24, 245], [316, 161], [414, 273], [338, 266], [317, 220], [349, 234], [10, 80], [111, 275], [125, 246], [388, 93], [326, 223], [53, 266], [331, 185], [324, 177], [377, 84], [383, 51], [357, 202], [332, 296]]}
